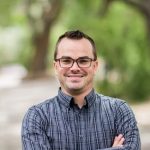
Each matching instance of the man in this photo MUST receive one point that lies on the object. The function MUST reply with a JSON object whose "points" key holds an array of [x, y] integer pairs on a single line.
{"points": [[78, 118]]}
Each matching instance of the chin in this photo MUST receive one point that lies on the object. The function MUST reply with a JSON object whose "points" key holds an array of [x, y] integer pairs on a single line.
{"points": [[75, 88]]}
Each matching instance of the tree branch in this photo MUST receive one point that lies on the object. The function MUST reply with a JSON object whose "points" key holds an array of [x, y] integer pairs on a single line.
{"points": [[104, 7], [142, 5]]}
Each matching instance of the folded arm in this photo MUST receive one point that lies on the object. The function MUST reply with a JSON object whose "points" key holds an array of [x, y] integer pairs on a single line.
{"points": [[128, 137]]}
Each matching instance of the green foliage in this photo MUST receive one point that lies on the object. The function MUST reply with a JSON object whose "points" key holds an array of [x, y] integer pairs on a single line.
{"points": [[109, 88], [6, 9], [120, 37], [121, 40], [125, 47], [138, 85], [13, 33], [25, 55]]}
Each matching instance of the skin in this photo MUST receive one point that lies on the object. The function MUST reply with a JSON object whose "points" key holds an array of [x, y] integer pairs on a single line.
{"points": [[75, 81], [118, 141]]}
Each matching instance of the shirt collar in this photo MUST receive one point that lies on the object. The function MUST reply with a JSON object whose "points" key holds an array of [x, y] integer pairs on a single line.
{"points": [[91, 97], [66, 100]]}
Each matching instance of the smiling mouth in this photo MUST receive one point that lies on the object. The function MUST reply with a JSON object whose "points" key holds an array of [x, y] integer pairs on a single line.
{"points": [[75, 76]]}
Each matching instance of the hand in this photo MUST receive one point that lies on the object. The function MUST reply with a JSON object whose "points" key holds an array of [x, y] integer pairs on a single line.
{"points": [[118, 141]]}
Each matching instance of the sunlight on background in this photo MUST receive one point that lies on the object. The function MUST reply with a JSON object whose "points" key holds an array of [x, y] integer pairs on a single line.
{"points": [[11, 75]]}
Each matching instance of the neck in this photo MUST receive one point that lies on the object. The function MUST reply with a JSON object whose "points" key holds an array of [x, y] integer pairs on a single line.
{"points": [[79, 100]]}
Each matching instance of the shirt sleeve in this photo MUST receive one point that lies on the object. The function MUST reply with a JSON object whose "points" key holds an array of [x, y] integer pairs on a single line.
{"points": [[33, 131], [125, 123]]}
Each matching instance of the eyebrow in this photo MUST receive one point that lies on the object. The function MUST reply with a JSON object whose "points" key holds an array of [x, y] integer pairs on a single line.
{"points": [[82, 57]]}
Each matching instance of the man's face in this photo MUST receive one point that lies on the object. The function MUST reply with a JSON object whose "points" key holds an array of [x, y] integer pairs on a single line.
{"points": [[75, 79]]}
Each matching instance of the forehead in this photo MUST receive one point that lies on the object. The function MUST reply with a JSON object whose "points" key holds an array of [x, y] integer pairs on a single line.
{"points": [[74, 48]]}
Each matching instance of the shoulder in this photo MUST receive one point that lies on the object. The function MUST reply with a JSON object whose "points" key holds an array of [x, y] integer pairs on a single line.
{"points": [[111, 102], [41, 110], [114, 106]]}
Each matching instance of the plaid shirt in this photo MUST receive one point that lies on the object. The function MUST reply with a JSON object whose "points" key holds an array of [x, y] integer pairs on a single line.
{"points": [[58, 124]]}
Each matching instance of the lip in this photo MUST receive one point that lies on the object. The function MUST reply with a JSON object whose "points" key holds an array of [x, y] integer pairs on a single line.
{"points": [[75, 76]]}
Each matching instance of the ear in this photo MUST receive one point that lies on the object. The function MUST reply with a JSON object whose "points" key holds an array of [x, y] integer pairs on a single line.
{"points": [[55, 67], [96, 64]]}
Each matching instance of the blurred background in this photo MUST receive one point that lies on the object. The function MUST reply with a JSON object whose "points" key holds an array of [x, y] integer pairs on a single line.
{"points": [[28, 32]]}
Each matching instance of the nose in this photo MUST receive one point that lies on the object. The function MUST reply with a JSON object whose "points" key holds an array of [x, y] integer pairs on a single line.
{"points": [[75, 66]]}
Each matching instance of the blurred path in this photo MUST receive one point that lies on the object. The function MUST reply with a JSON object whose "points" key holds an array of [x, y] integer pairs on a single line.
{"points": [[14, 102], [142, 113]]}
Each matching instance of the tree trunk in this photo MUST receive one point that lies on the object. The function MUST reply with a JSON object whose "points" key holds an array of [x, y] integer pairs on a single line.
{"points": [[41, 25], [39, 61]]}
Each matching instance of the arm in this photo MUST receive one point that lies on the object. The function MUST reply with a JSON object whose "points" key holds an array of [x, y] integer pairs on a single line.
{"points": [[125, 124], [33, 131]]}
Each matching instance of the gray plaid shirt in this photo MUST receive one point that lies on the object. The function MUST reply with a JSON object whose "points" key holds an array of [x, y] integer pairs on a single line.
{"points": [[58, 124]]}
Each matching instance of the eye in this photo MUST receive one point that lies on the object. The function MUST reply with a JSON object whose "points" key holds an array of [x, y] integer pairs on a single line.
{"points": [[84, 61], [66, 61]]}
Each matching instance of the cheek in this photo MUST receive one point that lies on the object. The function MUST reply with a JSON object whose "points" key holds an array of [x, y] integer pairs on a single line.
{"points": [[58, 71], [91, 73], [61, 72]]}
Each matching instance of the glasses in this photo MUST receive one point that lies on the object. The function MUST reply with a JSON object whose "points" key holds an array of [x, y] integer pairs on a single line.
{"points": [[81, 62]]}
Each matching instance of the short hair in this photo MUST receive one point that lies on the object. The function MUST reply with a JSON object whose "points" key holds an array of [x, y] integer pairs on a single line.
{"points": [[76, 35]]}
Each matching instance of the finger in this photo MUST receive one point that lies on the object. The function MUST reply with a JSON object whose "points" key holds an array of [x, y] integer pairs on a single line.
{"points": [[121, 141], [115, 141], [118, 141], [119, 137]]}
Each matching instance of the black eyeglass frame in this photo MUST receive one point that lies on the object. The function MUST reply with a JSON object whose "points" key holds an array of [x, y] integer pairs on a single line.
{"points": [[75, 60]]}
